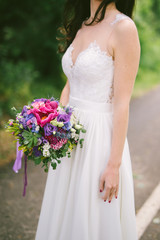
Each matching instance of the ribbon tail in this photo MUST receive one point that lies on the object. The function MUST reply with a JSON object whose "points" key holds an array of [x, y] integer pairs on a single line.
{"points": [[18, 162], [25, 175]]}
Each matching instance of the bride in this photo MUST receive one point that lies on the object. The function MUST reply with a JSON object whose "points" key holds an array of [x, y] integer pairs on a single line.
{"points": [[90, 196]]}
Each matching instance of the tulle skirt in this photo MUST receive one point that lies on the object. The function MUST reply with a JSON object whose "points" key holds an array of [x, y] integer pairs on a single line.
{"points": [[72, 207]]}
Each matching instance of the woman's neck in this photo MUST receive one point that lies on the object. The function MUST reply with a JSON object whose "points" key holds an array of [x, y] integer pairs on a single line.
{"points": [[94, 4]]}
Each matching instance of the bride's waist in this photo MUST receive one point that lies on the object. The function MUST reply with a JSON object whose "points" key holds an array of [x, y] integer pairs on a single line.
{"points": [[83, 104]]}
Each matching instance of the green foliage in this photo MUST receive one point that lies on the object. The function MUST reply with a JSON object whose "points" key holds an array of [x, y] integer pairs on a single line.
{"points": [[29, 64]]}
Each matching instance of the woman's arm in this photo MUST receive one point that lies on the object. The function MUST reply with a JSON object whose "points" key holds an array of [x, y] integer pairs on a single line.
{"points": [[126, 49], [64, 98]]}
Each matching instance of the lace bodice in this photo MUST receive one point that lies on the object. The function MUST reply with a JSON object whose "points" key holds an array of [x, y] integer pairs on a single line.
{"points": [[91, 76]]}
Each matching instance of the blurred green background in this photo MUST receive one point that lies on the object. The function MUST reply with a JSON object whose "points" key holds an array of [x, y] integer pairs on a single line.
{"points": [[31, 67]]}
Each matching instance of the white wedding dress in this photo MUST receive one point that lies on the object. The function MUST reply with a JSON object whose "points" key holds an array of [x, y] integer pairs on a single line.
{"points": [[72, 208]]}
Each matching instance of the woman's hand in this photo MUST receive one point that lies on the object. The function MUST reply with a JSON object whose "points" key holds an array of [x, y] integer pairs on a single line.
{"points": [[109, 182]]}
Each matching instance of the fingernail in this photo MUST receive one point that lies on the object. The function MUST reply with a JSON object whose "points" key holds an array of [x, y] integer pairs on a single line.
{"points": [[109, 201], [100, 190], [104, 200], [116, 196]]}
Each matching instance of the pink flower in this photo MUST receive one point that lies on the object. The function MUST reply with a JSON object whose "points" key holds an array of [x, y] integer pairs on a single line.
{"points": [[59, 144], [38, 104], [45, 113], [28, 122]]}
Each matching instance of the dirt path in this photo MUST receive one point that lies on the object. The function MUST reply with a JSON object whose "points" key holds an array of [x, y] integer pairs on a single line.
{"points": [[19, 215]]}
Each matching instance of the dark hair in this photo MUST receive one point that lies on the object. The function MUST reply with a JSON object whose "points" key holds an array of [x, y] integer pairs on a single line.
{"points": [[76, 11]]}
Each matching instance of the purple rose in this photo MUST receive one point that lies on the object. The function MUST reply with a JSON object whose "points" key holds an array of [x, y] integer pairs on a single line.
{"points": [[65, 118], [49, 128]]}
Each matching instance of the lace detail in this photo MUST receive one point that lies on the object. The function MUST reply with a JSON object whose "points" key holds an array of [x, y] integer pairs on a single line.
{"points": [[119, 17], [91, 76], [94, 45]]}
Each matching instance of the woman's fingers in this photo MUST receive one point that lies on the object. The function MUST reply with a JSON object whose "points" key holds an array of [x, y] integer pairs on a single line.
{"points": [[101, 184], [109, 193], [106, 195], [116, 192], [112, 192]]}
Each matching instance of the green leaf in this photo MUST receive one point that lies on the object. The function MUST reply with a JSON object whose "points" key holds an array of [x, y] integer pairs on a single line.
{"points": [[37, 160], [35, 140], [81, 140], [30, 143], [54, 165], [83, 130]]}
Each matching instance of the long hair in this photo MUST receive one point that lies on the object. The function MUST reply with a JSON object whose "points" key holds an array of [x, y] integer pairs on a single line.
{"points": [[76, 11]]}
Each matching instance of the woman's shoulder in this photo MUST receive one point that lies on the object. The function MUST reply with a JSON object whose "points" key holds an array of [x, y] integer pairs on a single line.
{"points": [[125, 34], [124, 26], [119, 17]]}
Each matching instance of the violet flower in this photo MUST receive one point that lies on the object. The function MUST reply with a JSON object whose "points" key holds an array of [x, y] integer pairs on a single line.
{"points": [[36, 152], [63, 118], [49, 128]]}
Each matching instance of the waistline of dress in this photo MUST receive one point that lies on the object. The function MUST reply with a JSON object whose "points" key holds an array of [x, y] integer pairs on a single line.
{"points": [[90, 105]]}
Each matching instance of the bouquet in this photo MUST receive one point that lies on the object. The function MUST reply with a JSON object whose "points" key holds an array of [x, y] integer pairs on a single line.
{"points": [[45, 131]]}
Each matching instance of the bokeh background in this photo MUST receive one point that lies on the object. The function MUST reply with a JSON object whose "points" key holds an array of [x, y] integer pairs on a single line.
{"points": [[30, 65]]}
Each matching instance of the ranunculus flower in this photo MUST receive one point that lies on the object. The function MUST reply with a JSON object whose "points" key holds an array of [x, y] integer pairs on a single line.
{"points": [[49, 128], [45, 113]]}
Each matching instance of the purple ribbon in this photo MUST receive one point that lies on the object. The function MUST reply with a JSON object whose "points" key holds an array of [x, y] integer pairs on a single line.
{"points": [[18, 164]]}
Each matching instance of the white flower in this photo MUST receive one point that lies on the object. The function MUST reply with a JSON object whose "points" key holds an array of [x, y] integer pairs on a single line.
{"points": [[46, 146], [74, 135], [77, 126], [18, 115], [73, 119], [14, 109], [37, 128], [73, 130], [46, 153]]}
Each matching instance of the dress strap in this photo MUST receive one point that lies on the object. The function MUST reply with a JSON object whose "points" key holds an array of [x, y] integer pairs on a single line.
{"points": [[119, 17]]}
